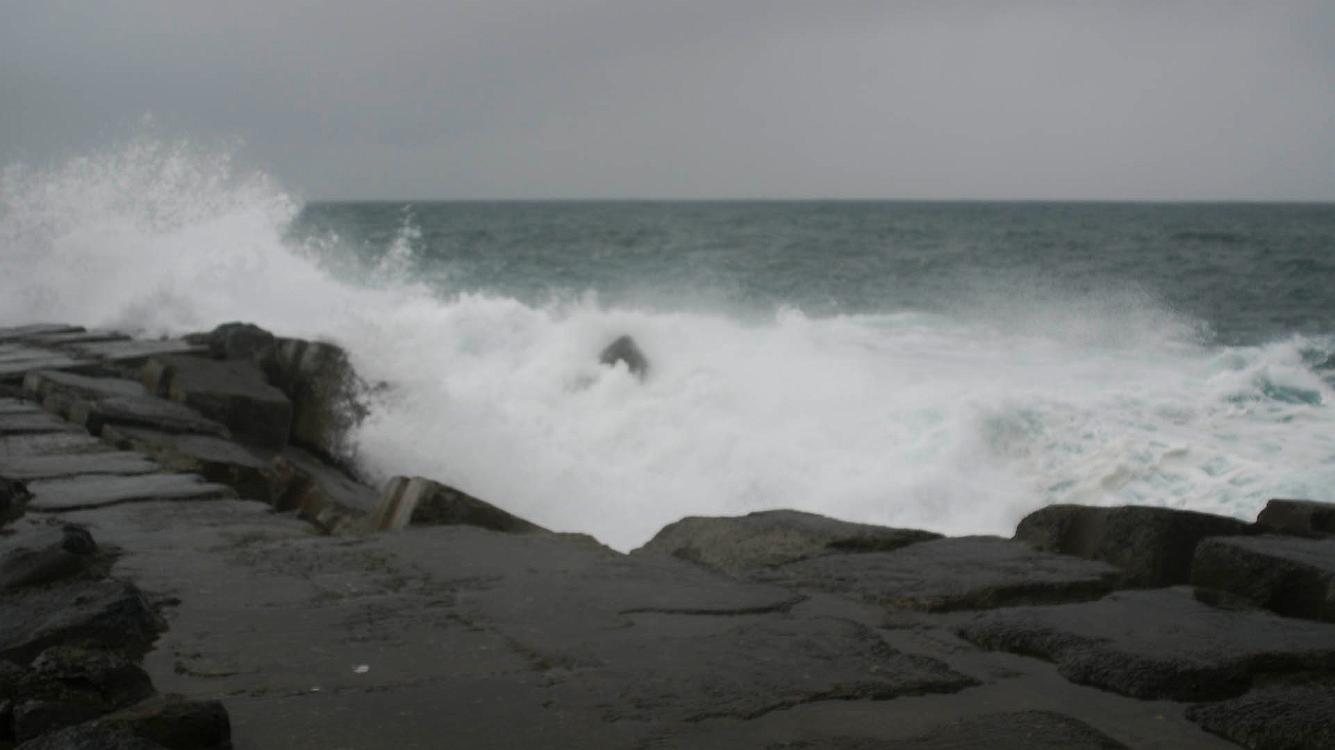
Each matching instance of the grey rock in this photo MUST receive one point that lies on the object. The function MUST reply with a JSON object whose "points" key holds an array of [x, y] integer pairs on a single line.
{"points": [[1152, 546], [233, 392], [105, 614], [422, 502], [1292, 576], [174, 722], [48, 444], [237, 341], [28, 424], [20, 333], [951, 574], [14, 496], [246, 469], [136, 351], [93, 490], [1014, 730], [624, 349], [143, 411], [328, 397], [1160, 643], [71, 556], [27, 468], [321, 493], [37, 717], [1283, 716], [1298, 517], [42, 384], [765, 539]]}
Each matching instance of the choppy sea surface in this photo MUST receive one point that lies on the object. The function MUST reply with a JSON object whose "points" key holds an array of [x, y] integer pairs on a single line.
{"points": [[949, 366]]}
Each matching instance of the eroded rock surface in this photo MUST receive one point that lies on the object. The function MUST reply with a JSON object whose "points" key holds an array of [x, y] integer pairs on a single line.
{"points": [[1291, 576], [1282, 716]]}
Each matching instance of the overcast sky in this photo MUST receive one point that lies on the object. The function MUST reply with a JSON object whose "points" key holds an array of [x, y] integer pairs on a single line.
{"points": [[751, 98]]}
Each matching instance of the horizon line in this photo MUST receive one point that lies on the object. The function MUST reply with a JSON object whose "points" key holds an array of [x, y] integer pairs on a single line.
{"points": [[1104, 201]]}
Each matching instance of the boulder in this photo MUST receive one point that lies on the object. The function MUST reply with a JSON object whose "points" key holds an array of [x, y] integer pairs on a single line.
{"points": [[24, 567], [1281, 716], [1152, 546], [236, 341], [37, 717], [1298, 517], [421, 502], [767, 539], [104, 614], [142, 411], [232, 392], [320, 493], [326, 393], [66, 387], [624, 349], [1158, 644], [1291, 576], [950, 574]]}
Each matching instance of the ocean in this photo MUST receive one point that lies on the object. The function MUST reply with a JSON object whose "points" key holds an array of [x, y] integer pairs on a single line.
{"points": [[948, 366]]}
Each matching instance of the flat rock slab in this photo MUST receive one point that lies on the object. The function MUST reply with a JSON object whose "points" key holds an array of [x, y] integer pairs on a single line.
{"points": [[701, 668], [1289, 575], [16, 370], [32, 424], [1160, 643], [53, 443], [75, 337], [771, 538], [951, 574], [28, 468], [1298, 716], [234, 393], [18, 333], [57, 495], [136, 350], [143, 411], [18, 406], [250, 472], [43, 383], [105, 613]]}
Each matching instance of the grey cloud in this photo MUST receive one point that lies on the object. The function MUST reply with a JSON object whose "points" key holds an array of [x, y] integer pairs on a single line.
{"points": [[1176, 100]]}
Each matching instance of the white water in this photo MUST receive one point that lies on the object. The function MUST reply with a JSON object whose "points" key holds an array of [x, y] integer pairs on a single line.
{"points": [[957, 425]]}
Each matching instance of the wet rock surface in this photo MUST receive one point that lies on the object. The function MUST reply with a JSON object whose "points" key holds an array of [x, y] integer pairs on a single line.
{"points": [[1293, 577], [770, 538], [1298, 517], [1151, 546], [290, 623]]}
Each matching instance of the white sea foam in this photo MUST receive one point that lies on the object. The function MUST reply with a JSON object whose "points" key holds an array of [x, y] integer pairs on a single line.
{"points": [[955, 423]]}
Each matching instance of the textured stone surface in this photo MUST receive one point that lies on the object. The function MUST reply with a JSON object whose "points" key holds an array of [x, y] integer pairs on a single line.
{"points": [[143, 411], [44, 383], [422, 502], [1016, 730], [233, 392], [1158, 644], [1152, 546], [1298, 517], [326, 395], [951, 574], [1292, 716], [766, 539], [106, 614], [1289, 575]]}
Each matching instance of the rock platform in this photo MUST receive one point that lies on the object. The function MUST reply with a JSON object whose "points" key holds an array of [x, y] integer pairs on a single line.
{"points": [[187, 562]]}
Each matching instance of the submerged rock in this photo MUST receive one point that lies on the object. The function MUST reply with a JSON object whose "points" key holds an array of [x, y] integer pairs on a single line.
{"points": [[766, 539], [625, 350], [1152, 546]]}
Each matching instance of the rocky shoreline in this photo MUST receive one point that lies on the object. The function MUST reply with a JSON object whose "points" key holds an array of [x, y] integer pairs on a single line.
{"points": [[188, 560]]}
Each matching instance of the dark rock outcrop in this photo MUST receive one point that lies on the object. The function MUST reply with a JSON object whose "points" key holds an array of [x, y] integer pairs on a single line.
{"points": [[1152, 546], [90, 737], [951, 574], [104, 614], [174, 723], [327, 396], [1014, 730], [736, 545], [236, 341], [624, 349], [1292, 576], [143, 411], [421, 502], [24, 567], [1298, 517], [1158, 644], [1282, 716]]}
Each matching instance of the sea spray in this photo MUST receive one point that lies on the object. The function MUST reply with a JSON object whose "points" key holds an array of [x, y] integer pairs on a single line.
{"points": [[958, 417]]}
